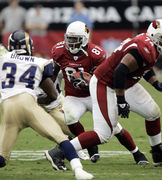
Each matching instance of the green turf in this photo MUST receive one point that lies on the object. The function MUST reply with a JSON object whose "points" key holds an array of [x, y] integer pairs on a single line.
{"points": [[119, 167]]}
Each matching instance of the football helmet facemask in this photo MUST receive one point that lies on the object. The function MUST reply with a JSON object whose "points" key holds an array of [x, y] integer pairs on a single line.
{"points": [[21, 42], [154, 31], [76, 37]]}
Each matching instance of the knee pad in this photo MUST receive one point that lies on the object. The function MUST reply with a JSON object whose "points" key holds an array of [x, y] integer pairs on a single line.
{"points": [[2, 161]]}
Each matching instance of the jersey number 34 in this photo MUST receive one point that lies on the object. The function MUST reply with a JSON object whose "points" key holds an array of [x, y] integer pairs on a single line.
{"points": [[26, 77]]}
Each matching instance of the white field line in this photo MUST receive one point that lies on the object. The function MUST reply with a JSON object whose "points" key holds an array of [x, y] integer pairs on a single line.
{"points": [[30, 155]]}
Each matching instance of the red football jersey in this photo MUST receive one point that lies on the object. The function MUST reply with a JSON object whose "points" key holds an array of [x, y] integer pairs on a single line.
{"points": [[70, 63], [146, 49]]}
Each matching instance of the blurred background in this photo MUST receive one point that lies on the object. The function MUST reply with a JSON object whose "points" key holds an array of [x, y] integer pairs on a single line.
{"points": [[109, 21]]}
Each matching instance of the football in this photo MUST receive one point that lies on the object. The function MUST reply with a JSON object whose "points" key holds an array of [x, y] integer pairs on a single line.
{"points": [[82, 75], [81, 80]]}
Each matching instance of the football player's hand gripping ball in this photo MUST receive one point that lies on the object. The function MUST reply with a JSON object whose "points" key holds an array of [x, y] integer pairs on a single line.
{"points": [[81, 80]]}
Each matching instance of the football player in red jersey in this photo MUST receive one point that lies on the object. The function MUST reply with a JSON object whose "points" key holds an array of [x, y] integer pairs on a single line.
{"points": [[76, 54], [115, 90]]}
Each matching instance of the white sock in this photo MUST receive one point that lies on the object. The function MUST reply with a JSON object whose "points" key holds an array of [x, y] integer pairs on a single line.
{"points": [[75, 163], [154, 140], [75, 142], [135, 150]]}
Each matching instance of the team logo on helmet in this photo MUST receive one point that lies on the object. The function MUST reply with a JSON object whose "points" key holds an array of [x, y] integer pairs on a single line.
{"points": [[156, 24], [86, 29]]}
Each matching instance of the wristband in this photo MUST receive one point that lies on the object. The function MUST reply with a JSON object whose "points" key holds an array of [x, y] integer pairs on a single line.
{"points": [[120, 99]]}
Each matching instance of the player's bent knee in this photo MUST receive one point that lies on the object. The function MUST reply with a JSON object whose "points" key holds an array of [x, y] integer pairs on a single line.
{"points": [[154, 113], [2, 161], [70, 119], [71, 122], [104, 138], [117, 129]]}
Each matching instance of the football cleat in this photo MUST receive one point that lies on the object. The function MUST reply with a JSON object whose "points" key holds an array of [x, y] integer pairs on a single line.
{"points": [[80, 174], [93, 153], [82, 155], [140, 158], [56, 157], [157, 155], [2, 161], [95, 158]]}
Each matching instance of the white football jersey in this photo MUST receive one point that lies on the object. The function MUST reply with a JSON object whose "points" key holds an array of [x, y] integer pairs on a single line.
{"points": [[3, 50], [20, 74]]}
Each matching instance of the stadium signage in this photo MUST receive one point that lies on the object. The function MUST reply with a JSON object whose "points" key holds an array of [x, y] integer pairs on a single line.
{"points": [[105, 14], [109, 14]]}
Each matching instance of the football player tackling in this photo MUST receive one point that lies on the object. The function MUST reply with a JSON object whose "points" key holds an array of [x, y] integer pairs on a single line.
{"points": [[20, 75]]}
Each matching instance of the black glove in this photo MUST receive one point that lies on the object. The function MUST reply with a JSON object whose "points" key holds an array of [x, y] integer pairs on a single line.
{"points": [[123, 107], [157, 85]]}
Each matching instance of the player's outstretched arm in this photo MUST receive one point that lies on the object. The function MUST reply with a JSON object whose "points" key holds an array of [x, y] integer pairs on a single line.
{"points": [[150, 76]]}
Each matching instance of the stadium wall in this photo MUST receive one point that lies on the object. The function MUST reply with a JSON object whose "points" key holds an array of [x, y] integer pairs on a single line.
{"points": [[113, 20]]}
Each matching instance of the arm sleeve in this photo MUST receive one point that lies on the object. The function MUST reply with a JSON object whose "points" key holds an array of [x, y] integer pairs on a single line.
{"points": [[149, 74], [48, 71], [137, 56], [120, 76]]}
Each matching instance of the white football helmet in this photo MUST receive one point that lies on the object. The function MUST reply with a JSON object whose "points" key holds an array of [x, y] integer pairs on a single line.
{"points": [[154, 31], [76, 37]]}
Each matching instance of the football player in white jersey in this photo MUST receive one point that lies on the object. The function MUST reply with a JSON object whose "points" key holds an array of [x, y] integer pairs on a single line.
{"points": [[3, 51], [54, 108], [20, 74]]}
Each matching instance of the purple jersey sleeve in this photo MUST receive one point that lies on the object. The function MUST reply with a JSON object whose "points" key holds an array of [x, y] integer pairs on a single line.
{"points": [[48, 71]]}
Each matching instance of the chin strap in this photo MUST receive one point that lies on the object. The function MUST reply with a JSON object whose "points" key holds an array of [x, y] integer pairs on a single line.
{"points": [[20, 51], [81, 49]]}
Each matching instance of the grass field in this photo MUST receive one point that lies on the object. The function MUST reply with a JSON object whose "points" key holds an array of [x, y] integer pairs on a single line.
{"points": [[114, 166]]}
